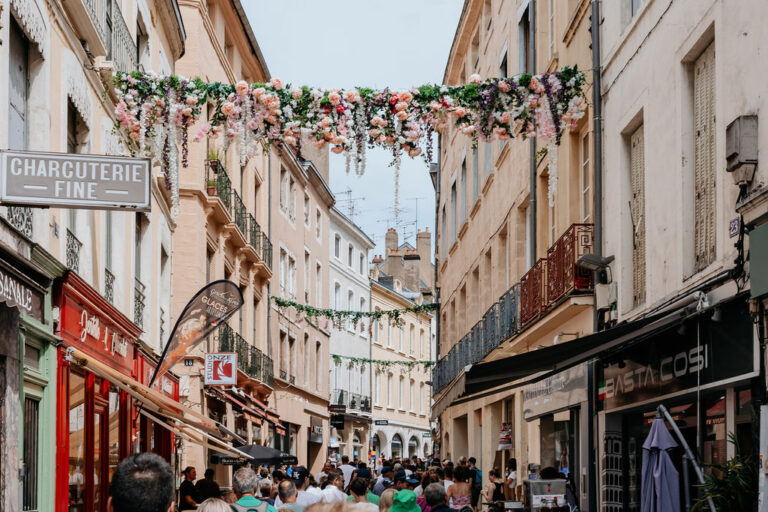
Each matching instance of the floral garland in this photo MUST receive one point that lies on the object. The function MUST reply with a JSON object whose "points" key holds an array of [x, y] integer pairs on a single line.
{"points": [[340, 317], [381, 364], [156, 112]]}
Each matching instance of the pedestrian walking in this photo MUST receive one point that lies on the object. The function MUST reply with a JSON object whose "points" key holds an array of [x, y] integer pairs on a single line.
{"points": [[214, 505], [142, 482], [435, 496], [207, 486], [476, 480], [189, 497], [347, 469], [404, 501], [358, 489], [333, 492], [288, 495], [460, 493], [494, 491], [244, 484], [387, 499]]}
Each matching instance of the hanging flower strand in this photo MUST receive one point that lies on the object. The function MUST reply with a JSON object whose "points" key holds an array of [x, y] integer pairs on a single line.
{"points": [[382, 364], [152, 107], [342, 317]]}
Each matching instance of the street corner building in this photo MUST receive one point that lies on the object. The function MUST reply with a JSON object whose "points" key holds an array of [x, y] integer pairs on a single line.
{"points": [[577, 295]]}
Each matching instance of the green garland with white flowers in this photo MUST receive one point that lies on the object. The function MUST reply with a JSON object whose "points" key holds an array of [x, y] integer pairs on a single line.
{"points": [[340, 317], [382, 364]]}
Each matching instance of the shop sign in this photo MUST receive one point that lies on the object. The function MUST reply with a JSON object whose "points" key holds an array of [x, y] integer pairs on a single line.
{"points": [[221, 369], [337, 421], [675, 360], [17, 294], [338, 408], [231, 461], [562, 390], [75, 181], [316, 429], [426, 435], [381, 422]]}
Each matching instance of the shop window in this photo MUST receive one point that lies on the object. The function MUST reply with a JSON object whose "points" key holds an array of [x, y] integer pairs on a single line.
{"points": [[31, 440], [114, 430], [76, 442]]}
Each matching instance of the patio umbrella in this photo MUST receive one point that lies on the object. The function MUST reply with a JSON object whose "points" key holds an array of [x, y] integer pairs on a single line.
{"points": [[660, 491], [266, 455]]}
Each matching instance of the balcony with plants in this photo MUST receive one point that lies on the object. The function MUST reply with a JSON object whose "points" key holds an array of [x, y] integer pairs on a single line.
{"points": [[353, 401], [229, 209], [255, 368], [548, 283]]}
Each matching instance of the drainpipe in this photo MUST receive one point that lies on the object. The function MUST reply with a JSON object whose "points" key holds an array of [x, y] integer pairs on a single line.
{"points": [[592, 442], [436, 283], [269, 234], [532, 186]]}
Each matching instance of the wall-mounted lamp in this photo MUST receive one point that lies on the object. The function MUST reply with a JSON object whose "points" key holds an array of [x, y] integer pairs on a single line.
{"points": [[559, 336], [741, 149], [594, 262]]}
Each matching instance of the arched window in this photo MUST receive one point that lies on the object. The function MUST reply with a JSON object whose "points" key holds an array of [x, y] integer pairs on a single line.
{"points": [[413, 446], [397, 446]]}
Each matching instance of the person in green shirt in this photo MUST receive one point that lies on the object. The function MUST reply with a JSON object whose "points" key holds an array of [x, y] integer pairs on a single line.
{"points": [[359, 491], [244, 484]]}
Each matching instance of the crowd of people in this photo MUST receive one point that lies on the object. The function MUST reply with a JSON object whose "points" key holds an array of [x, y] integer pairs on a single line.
{"points": [[144, 483]]}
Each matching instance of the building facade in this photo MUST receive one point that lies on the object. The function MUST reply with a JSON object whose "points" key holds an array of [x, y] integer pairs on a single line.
{"points": [[58, 58], [401, 394], [223, 215], [350, 289], [511, 227], [300, 220]]}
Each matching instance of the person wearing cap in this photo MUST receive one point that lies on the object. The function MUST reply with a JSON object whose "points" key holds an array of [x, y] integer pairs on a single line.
{"points": [[386, 474], [405, 501], [403, 481], [300, 478]]}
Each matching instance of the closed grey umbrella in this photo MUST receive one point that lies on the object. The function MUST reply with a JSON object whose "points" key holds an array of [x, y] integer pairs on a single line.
{"points": [[660, 487]]}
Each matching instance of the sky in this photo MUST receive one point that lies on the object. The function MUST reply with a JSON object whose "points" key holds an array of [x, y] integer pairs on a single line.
{"points": [[372, 43]]}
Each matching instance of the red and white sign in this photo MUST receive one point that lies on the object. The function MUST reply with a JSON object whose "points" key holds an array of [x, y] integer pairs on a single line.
{"points": [[221, 369]]}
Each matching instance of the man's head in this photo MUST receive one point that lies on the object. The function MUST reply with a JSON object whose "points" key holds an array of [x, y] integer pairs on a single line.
{"points": [[287, 491], [142, 482], [327, 465], [265, 489], [300, 477], [448, 472], [278, 476], [336, 477], [244, 482], [472, 461], [344, 459], [400, 480], [411, 483], [364, 473], [359, 487], [209, 473], [434, 493], [190, 473], [388, 472], [264, 472]]}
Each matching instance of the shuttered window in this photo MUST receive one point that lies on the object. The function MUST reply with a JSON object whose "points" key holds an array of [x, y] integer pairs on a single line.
{"points": [[704, 158], [637, 210], [18, 87]]}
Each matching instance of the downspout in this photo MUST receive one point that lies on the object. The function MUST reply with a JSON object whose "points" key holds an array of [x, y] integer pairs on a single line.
{"points": [[437, 266], [269, 234], [597, 132], [532, 186]]}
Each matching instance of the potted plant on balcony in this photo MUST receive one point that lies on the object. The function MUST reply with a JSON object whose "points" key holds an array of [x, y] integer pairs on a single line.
{"points": [[212, 188], [214, 160]]}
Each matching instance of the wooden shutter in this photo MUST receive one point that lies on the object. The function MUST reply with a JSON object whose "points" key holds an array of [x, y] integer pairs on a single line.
{"points": [[704, 158], [18, 90], [637, 208]]}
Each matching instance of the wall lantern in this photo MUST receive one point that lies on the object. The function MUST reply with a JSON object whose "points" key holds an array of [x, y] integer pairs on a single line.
{"points": [[741, 149]]}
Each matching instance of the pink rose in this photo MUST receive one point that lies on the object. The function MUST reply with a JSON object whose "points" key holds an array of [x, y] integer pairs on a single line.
{"points": [[402, 115], [241, 87], [505, 117], [276, 83], [291, 141], [296, 93], [351, 96], [503, 86], [228, 108], [191, 100], [325, 122], [474, 78], [375, 132], [337, 149], [414, 152], [401, 106], [334, 98], [187, 111], [406, 96], [460, 111]]}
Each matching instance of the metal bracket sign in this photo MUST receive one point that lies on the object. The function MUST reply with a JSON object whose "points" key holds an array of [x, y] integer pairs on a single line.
{"points": [[65, 180], [221, 369]]}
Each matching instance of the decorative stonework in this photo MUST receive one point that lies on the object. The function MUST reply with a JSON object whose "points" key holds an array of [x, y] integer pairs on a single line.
{"points": [[77, 87], [32, 21]]}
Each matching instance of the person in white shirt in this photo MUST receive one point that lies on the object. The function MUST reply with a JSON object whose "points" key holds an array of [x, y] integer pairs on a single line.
{"points": [[448, 481], [300, 478], [333, 492], [324, 472], [347, 469]]}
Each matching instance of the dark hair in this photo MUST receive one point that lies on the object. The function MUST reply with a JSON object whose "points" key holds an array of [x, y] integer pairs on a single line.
{"points": [[143, 481], [344, 459], [209, 473], [549, 473], [494, 472], [472, 460], [359, 486], [429, 477], [447, 472], [278, 475], [512, 465], [461, 473], [362, 465]]}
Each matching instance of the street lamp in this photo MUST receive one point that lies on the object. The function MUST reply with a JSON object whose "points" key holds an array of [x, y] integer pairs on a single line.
{"points": [[593, 262], [741, 149]]}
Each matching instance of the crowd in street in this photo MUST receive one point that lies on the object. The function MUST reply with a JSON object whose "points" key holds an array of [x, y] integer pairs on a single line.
{"points": [[144, 483]]}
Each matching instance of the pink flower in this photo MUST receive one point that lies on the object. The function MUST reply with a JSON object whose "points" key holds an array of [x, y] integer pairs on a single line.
{"points": [[434, 105], [191, 100], [337, 149], [503, 86], [375, 132], [334, 98], [414, 152], [228, 108], [204, 129], [241, 87], [257, 92], [505, 117], [187, 111], [474, 78], [406, 96], [468, 130], [276, 83], [402, 115], [351, 96], [460, 111], [291, 141], [325, 122], [377, 121], [296, 93], [401, 106]]}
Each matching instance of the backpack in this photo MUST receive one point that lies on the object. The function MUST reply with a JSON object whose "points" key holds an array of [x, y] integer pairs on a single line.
{"points": [[239, 508]]}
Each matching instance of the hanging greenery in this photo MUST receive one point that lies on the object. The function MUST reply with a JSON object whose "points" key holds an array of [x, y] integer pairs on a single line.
{"points": [[340, 317], [381, 364], [157, 111]]}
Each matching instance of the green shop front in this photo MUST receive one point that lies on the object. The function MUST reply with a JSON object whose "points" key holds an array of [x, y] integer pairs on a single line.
{"points": [[27, 373]]}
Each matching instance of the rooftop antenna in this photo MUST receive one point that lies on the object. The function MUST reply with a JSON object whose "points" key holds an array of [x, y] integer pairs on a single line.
{"points": [[349, 203]]}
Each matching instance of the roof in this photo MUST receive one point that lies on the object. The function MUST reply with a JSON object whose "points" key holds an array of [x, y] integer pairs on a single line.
{"points": [[354, 228], [455, 41], [251, 37]]}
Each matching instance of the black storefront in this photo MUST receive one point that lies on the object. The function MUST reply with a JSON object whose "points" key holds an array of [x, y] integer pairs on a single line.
{"points": [[703, 369]]}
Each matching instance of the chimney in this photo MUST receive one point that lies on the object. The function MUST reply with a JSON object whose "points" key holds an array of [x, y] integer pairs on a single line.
{"points": [[377, 259], [391, 240], [424, 248], [411, 270], [394, 263]]}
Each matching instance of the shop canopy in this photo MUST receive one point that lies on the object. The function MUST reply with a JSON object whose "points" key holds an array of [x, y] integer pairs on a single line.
{"points": [[181, 420], [530, 367]]}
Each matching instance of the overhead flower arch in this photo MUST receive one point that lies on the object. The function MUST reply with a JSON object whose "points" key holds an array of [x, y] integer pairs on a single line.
{"points": [[156, 112]]}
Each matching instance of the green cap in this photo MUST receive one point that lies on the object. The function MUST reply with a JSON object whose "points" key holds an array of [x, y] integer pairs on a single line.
{"points": [[405, 501]]}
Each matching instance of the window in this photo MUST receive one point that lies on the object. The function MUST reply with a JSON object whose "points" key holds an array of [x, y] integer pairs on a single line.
{"points": [[18, 87], [503, 67], [291, 198], [350, 307], [551, 224], [487, 15], [475, 174], [524, 41], [319, 366], [284, 355], [283, 189], [255, 321], [586, 194], [307, 217], [551, 31], [307, 363], [528, 237], [463, 189], [307, 280], [400, 386], [411, 335], [292, 356], [443, 234], [389, 333], [421, 344], [376, 327], [318, 285], [377, 388], [421, 398], [291, 276], [350, 252], [412, 396], [283, 271], [389, 390], [637, 212], [704, 158], [453, 212], [31, 444], [634, 6], [362, 264], [318, 223], [77, 427], [337, 246], [402, 336], [336, 295], [487, 158], [363, 307]]}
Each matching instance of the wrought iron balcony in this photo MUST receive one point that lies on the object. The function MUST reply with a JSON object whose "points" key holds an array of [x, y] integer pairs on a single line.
{"points": [[109, 286], [139, 303], [240, 215], [283, 374], [122, 49], [533, 292], [72, 256], [563, 276], [250, 360], [353, 401], [266, 250], [218, 183], [292, 379], [20, 217]]}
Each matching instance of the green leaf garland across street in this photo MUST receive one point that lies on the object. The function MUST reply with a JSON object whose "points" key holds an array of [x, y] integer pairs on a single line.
{"points": [[382, 364], [156, 112], [337, 317]]}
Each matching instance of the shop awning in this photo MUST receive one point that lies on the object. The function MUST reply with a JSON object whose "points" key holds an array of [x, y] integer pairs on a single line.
{"points": [[163, 410], [529, 367]]}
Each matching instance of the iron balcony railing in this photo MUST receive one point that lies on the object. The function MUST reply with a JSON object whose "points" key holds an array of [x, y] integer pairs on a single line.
{"points": [[353, 401], [109, 286], [218, 184], [250, 360], [72, 256], [139, 299], [540, 290], [20, 217], [121, 47]]}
